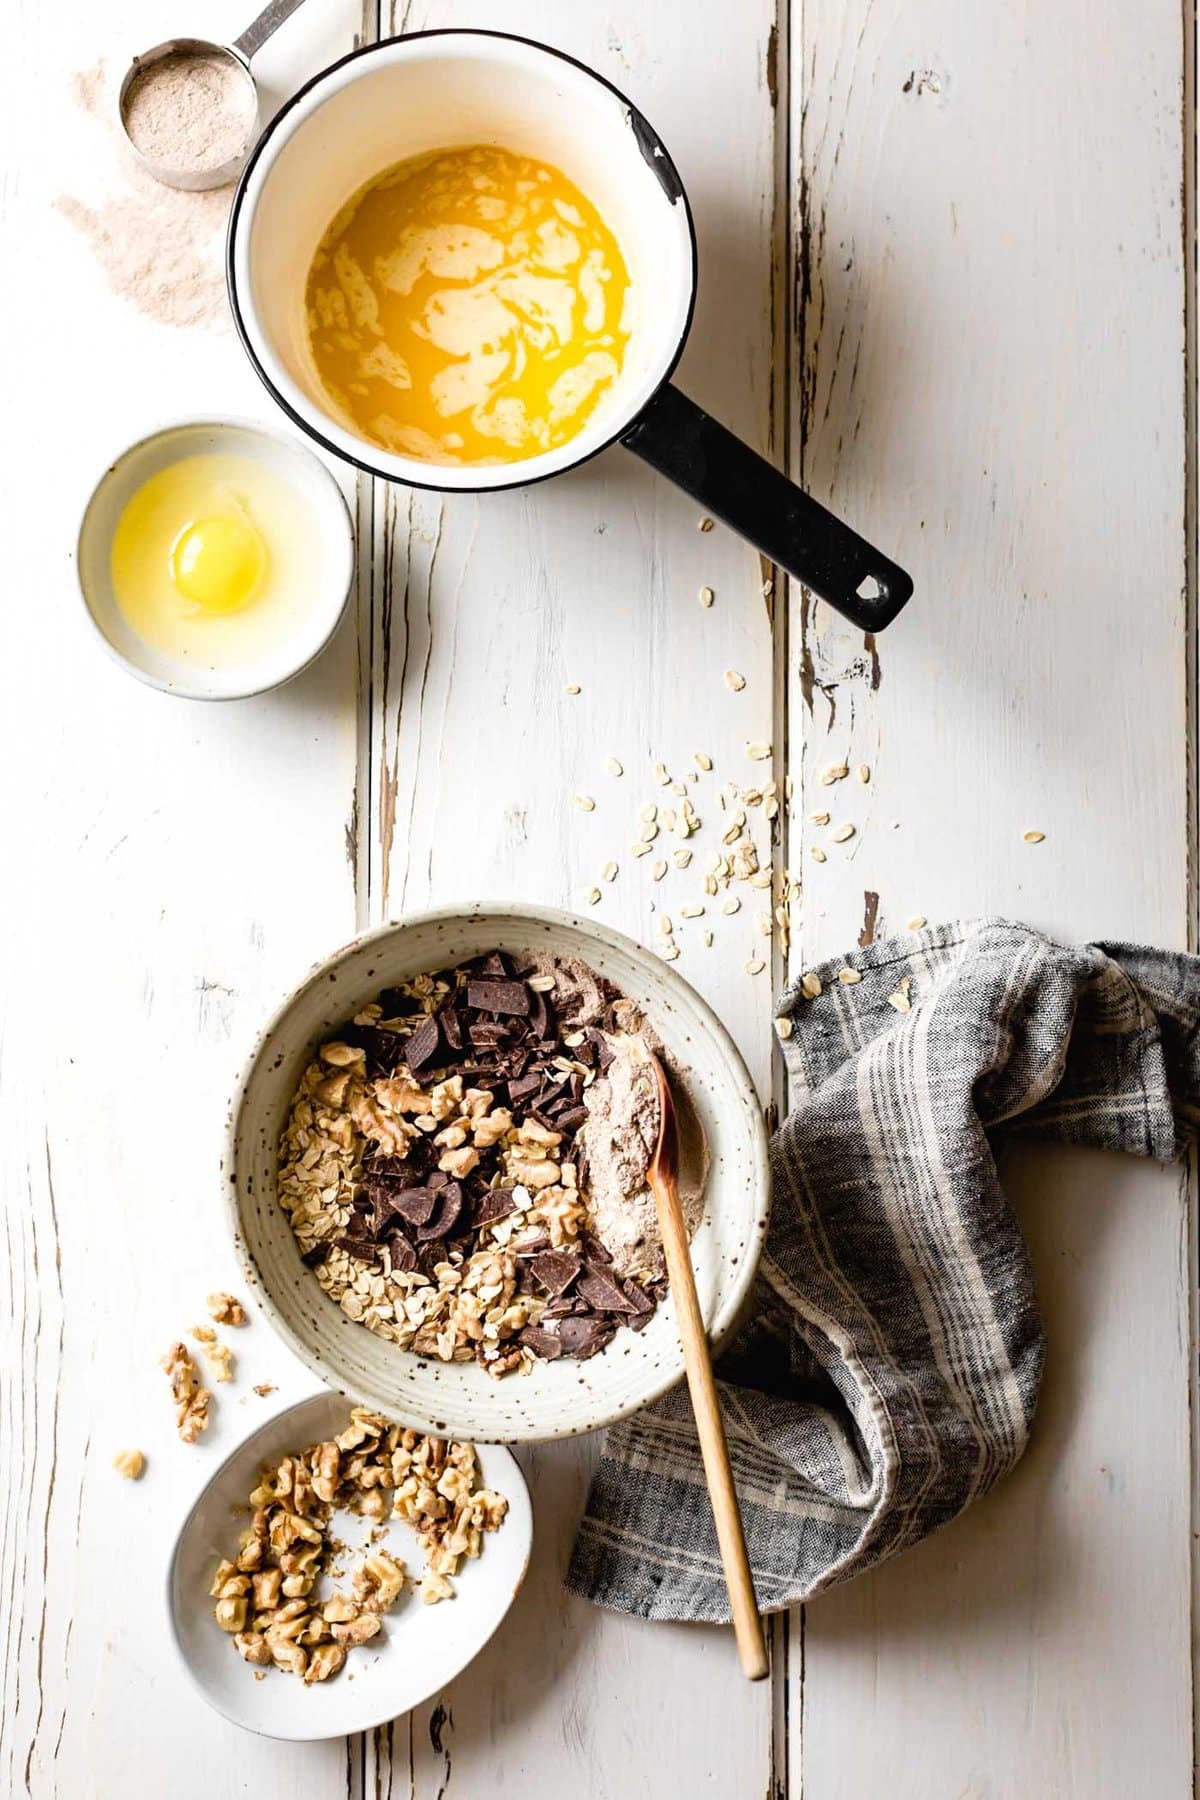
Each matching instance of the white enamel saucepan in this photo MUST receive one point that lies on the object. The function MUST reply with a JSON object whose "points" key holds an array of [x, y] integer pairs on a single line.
{"points": [[398, 99]]}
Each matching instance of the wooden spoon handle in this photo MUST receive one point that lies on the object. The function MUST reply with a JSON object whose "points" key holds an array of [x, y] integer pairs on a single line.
{"points": [[747, 1624]]}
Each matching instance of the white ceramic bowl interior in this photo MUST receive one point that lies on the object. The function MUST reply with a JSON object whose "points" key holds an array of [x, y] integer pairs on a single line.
{"points": [[308, 477], [437, 89], [424, 1646], [557, 1398]]}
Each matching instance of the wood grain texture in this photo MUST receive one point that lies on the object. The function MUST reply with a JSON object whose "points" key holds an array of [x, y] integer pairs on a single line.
{"points": [[990, 293]]}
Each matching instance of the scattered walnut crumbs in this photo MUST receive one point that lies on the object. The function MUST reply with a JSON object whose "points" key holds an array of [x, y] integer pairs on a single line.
{"points": [[192, 1402], [225, 1309], [129, 1464], [264, 1596]]}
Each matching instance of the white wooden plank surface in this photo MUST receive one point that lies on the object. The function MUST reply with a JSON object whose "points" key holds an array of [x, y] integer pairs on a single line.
{"points": [[990, 377], [993, 345]]}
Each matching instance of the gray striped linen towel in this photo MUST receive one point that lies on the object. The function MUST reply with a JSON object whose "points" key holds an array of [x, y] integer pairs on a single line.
{"points": [[889, 1372]]}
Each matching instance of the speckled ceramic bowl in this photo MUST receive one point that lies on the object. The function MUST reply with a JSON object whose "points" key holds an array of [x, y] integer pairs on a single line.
{"points": [[556, 1399]]}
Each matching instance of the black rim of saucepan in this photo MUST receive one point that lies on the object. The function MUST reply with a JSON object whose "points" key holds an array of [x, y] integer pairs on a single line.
{"points": [[670, 432]]}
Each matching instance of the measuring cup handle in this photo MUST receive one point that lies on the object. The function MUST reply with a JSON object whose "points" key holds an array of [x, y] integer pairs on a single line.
{"points": [[266, 25], [733, 482]]}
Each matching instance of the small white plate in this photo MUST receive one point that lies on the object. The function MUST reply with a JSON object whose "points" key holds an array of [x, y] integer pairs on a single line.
{"points": [[421, 1648], [327, 509]]}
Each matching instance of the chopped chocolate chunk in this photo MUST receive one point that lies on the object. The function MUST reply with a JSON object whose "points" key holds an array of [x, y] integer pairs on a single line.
{"points": [[452, 1027], [508, 997], [602, 1292], [384, 1049], [488, 1034], [638, 1298], [421, 1049], [546, 1344], [570, 1118], [445, 1215], [583, 1337], [496, 963], [317, 1254], [604, 1050], [414, 1204], [523, 1087], [390, 1168], [495, 1204], [404, 1256], [539, 1015], [358, 1247], [394, 1003], [358, 1225], [556, 1270]]}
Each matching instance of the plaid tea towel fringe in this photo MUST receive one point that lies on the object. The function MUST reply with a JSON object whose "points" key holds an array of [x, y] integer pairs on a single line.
{"points": [[890, 1369]]}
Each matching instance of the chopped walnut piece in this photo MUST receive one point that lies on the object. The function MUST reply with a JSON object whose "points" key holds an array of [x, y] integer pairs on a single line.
{"points": [[253, 1646], [192, 1401], [433, 1588], [225, 1309], [323, 1663], [130, 1464]]}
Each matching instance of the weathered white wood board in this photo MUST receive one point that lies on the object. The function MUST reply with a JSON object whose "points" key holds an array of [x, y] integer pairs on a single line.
{"points": [[992, 318], [988, 352]]}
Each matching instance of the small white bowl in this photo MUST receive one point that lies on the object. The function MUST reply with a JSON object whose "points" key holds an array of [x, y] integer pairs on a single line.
{"points": [[556, 1399], [424, 1647], [327, 508]]}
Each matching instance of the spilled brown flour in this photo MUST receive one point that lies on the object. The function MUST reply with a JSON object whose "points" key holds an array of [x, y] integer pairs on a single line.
{"points": [[160, 248]]}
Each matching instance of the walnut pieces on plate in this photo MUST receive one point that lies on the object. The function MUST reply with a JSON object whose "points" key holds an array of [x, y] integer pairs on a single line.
{"points": [[265, 1595]]}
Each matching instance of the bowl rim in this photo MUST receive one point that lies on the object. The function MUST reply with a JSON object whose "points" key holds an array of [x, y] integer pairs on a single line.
{"points": [[742, 1277], [516, 1482], [215, 422]]}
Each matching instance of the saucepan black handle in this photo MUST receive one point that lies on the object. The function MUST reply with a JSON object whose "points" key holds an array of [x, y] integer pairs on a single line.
{"points": [[735, 484]]}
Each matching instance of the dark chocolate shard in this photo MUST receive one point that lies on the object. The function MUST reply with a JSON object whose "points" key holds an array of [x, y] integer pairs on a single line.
{"points": [[638, 1298], [487, 1034], [508, 997], [604, 1050], [445, 1215], [313, 1257], [361, 1248], [421, 1049], [496, 963], [358, 1225], [415, 1205], [523, 1087], [495, 1204], [452, 1027], [570, 1118], [384, 1050], [602, 1292], [583, 1337], [555, 1269], [390, 1168], [404, 1257], [546, 1344], [539, 1015]]}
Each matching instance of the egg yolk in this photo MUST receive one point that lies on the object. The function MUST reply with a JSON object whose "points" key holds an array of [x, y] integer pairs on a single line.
{"points": [[218, 562]]}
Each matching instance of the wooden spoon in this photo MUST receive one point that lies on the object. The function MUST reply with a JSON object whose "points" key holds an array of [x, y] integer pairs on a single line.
{"points": [[663, 1177]]}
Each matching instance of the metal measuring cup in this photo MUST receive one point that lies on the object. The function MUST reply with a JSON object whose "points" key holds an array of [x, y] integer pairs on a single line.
{"points": [[237, 56]]}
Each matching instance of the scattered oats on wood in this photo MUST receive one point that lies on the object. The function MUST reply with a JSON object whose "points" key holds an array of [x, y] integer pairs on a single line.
{"points": [[129, 1464], [843, 833], [810, 984], [648, 832], [731, 905], [691, 912], [677, 787], [755, 966], [609, 872], [665, 926], [817, 854], [658, 870], [572, 687], [225, 1309], [917, 923], [835, 772], [668, 951], [585, 803], [706, 596], [681, 858], [640, 849], [706, 939], [648, 813], [768, 588], [1034, 837], [783, 1028], [864, 773], [900, 1001], [849, 976], [758, 752], [734, 681], [615, 767], [662, 774], [701, 761], [764, 923], [593, 896], [706, 523], [761, 878], [710, 886]]}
